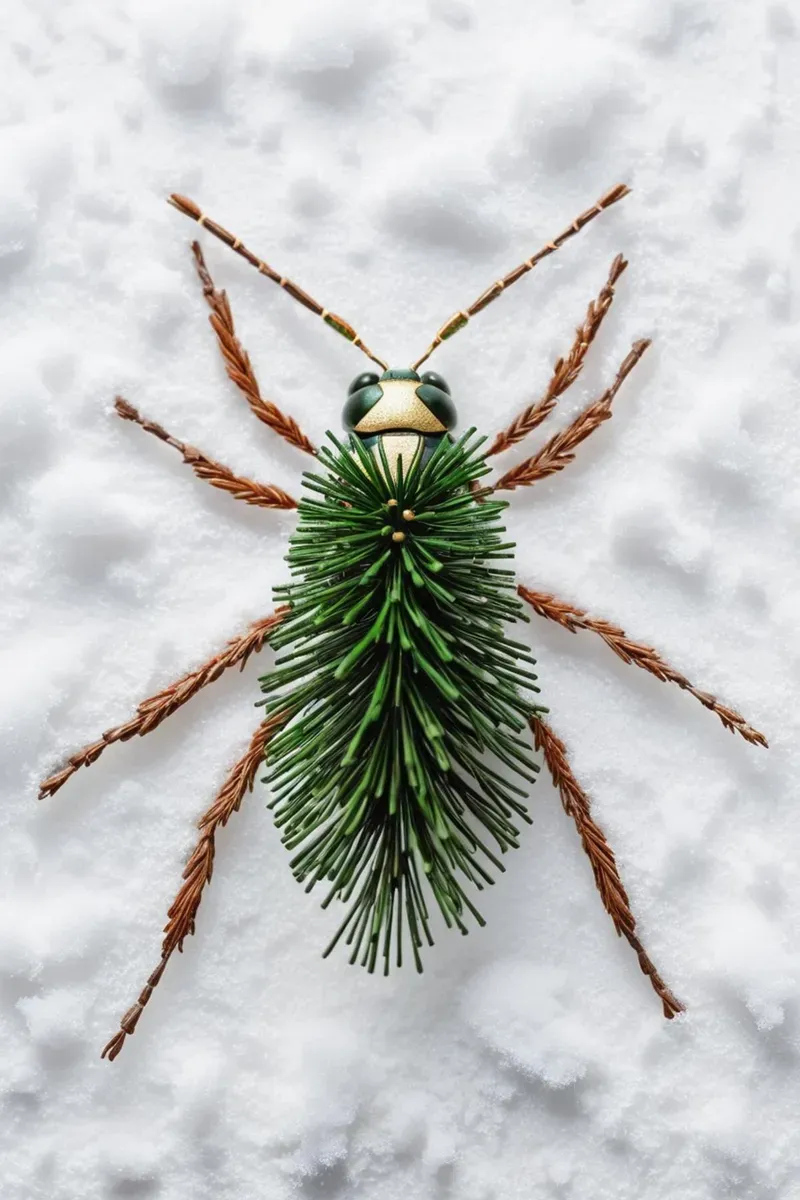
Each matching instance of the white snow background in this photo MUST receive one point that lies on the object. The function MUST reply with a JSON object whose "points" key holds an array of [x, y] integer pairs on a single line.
{"points": [[394, 160]]}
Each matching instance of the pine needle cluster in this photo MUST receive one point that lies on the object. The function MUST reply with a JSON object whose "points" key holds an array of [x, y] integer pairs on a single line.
{"points": [[402, 698]]}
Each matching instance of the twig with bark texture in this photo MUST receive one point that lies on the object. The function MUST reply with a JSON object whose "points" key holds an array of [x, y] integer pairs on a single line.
{"points": [[197, 873], [566, 370], [601, 856], [237, 361], [264, 495], [151, 712], [559, 451], [568, 616]]}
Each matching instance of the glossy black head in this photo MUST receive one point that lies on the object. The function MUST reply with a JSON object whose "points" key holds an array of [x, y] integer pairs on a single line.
{"points": [[399, 399]]}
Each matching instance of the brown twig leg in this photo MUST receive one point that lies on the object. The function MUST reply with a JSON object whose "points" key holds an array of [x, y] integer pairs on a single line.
{"points": [[572, 618], [560, 450], [265, 495], [156, 709], [197, 873], [604, 865], [566, 370], [237, 361]]}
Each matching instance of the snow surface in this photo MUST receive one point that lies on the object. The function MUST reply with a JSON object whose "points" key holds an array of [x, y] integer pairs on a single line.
{"points": [[395, 159]]}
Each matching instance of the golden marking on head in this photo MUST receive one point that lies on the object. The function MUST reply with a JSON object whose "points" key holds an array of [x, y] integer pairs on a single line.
{"points": [[398, 536], [400, 408]]}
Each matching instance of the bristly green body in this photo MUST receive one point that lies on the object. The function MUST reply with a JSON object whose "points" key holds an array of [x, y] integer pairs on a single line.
{"points": [[404, 699]]}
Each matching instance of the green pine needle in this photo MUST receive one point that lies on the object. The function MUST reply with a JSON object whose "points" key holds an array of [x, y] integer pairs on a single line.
{"points": [[401, 695]]}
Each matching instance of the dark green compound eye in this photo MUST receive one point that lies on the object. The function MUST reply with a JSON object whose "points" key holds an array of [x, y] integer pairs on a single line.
{"points": [[436, 380], [362, 395], [363, 380]]}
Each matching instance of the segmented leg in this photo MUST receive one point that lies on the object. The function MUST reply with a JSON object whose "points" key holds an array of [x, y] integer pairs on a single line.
{"points": [[460, 319], [604, 865], [197, 873], [265, 495], [156, 709], [237, 361], [560, 450], [566, 370], [573, 619]]}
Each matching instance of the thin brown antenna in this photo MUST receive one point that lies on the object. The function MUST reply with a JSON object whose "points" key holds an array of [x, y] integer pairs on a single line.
{"points": [[190, 209], [460, 319]]}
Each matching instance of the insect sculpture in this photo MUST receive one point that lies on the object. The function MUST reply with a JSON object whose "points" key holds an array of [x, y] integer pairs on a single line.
{"points": [[399, 713]]}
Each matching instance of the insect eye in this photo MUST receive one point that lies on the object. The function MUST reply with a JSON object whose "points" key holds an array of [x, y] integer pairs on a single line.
{"points": [[435, 380], [362, 395], [363, 380]]}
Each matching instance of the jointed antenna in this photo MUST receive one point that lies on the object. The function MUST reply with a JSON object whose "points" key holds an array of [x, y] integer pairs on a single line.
{"points": [[459, 319], [190, 209]]}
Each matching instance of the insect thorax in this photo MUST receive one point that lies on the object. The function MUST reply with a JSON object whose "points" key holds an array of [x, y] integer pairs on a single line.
{"points": [[404, 414]]}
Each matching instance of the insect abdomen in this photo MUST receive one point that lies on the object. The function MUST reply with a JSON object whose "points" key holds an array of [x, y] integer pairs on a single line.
{"points": [[403, 701]]}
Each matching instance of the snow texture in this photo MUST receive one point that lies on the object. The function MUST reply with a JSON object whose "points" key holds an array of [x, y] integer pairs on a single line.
{"points": [[394, 160]]}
